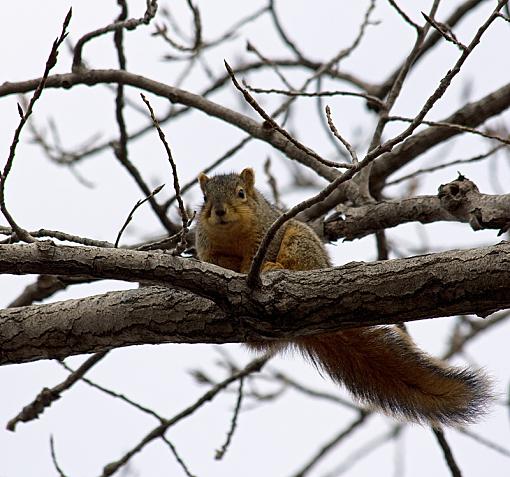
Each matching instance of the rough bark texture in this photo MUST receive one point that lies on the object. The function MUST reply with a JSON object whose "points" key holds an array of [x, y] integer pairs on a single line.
{"points": [[213, 305], [458, 201]]}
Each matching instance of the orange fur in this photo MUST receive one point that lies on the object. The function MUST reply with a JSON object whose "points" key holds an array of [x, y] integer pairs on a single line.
{"points": [[379, 365]]}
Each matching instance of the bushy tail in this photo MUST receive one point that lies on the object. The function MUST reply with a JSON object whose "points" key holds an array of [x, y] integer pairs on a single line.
{"points": [[382, 366]]}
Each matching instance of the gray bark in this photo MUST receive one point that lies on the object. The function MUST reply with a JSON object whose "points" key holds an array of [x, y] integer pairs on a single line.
{"points": [[202, 303], [458, 201]]}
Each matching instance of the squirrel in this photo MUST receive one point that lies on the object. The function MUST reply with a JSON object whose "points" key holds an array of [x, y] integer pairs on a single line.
{"points": [[380, 365]]}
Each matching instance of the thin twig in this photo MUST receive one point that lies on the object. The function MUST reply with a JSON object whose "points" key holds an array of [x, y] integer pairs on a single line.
{"points": [[447, 452], [130, 216], [163, 244], [272, 124], [457, 127], [272, 182], [131, 24], [220, 453], [363, 180], [445, 31], [56, 234], [50, 63], [270, 63], [282, 33], [228, 154], [486, 442], [370, 99], [47, 396], [54, 458], [113, 394], [334, 130], [197, 22], [230, 33], [439, 91], [331, 444], [324, 123], [405, 16], [456, 16], [504, 17], [477, 328], [186, 222], [363, 451], [253, 366], [197, 41], [477, 158], [178, 458], [312, 392]]}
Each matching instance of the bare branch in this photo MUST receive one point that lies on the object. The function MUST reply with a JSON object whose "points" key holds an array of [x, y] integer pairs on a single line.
{"points": [[320, 301], [457, 127], [56, 234], [50, 63], [370, 99], [364, 450], [177, 457], [470, 115], [272, 182], [447, 452], [292, 46], [159, 431], [338, 439], [131, 24], [405, 16], [54, 458], [270, 123], [458, 201], [133, 210], [184, 215], [456, 162], [486, 442], [111, 393], [270, 63], [334, 130], [220, 453], [445, 31], [47, 396]]}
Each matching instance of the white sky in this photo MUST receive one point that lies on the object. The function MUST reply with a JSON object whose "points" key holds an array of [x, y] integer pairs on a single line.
{"points": [[91, 429]]}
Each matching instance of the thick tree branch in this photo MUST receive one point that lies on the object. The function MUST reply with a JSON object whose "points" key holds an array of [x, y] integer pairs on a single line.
{"points": [[288, 304], [458, 201]]}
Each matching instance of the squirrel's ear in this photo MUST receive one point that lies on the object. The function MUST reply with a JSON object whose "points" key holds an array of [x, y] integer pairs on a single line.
{"points": [[202, 178], [248, 176]]}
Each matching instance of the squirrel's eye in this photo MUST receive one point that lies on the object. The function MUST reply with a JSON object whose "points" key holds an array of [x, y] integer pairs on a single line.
{"points": [[241, 194], [205, 198]]}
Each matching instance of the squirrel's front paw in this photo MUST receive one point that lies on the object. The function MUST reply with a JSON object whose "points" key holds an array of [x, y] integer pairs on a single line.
{"points": [[268, 266]]}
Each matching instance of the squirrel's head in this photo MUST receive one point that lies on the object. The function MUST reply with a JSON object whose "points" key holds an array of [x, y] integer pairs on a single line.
{"points": [[227, 199]]}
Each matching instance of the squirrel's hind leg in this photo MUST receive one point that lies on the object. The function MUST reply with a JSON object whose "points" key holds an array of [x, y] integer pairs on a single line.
{"points": [[268, 266]]}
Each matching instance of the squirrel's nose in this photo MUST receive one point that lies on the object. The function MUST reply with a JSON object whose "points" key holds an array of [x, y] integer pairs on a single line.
{"points": [[220, 212]]}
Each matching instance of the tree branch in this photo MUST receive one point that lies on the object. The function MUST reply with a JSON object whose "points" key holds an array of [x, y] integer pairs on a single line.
{"points": [[470, 115], [458, 201], [179, 96], [287, 305]]}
